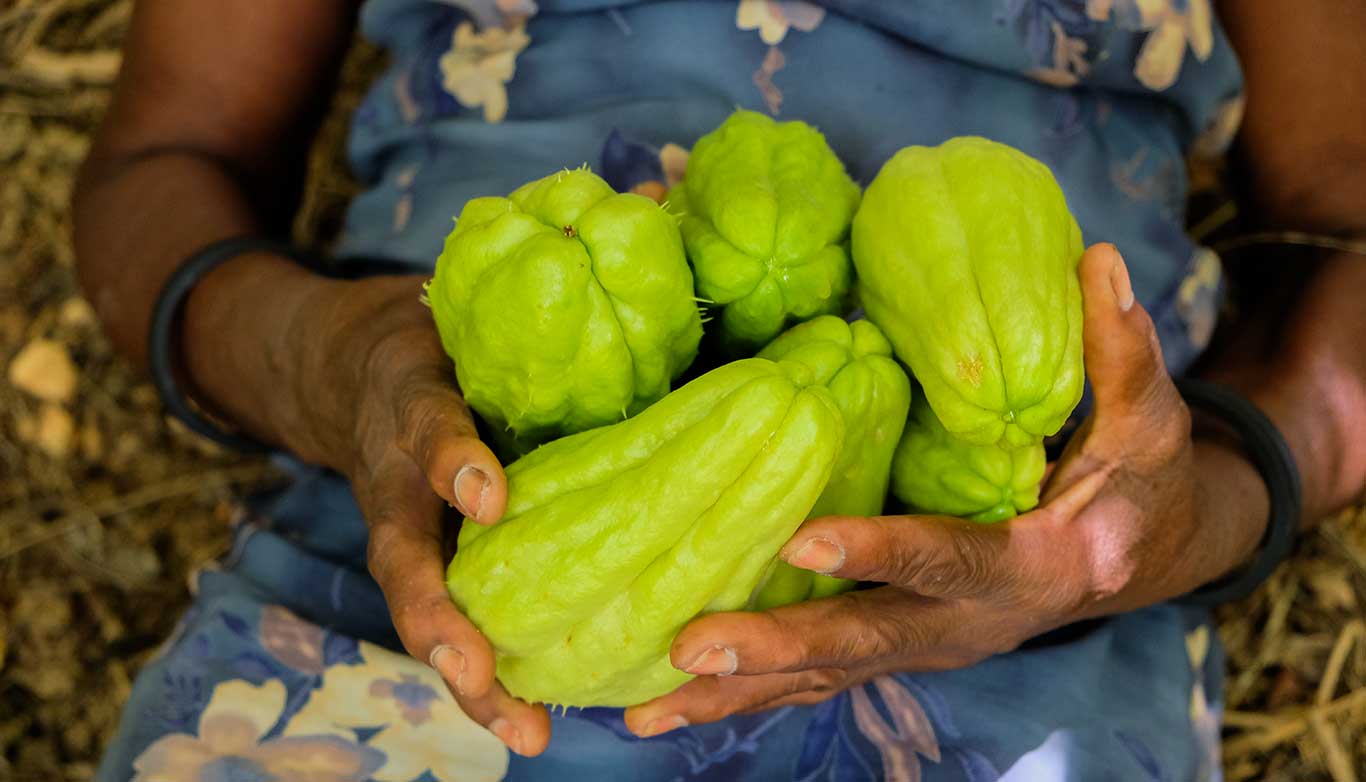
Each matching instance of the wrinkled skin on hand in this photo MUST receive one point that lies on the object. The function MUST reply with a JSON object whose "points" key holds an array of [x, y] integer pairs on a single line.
{"points": [[565, 306], [936, 473], [854, 362], [615, 538], [1135, 512], [967, 259], [766, 208]]}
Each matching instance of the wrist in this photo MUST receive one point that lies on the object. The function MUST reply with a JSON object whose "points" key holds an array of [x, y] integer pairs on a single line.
{"points": [[236, 359], [1232, 506]]}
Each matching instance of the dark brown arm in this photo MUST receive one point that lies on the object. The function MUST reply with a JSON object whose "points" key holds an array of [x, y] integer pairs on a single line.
{"points": [[1301, 154]]}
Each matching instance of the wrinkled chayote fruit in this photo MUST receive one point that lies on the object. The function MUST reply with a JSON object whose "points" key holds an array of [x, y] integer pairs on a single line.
{"points": [[935, 472], [967, 259], [616, 537], [766, 208], [565, 306], [854, 362]]}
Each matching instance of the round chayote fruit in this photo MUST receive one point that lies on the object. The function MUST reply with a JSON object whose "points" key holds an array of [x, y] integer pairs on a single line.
{"points": [[565, 306], [935, 472], [766, 208]]}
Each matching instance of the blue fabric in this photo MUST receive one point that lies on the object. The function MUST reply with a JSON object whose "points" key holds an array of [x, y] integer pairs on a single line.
{"points": [[287, 664]]}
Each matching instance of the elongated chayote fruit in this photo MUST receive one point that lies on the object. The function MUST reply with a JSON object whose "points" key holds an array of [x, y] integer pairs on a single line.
{"points": [[936, 472], [565, 306], [616, 537], [854, 362], [766, 208], [967, 259]]}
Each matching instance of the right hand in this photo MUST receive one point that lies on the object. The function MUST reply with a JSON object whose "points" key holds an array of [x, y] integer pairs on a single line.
{"points": [[384, 409]]}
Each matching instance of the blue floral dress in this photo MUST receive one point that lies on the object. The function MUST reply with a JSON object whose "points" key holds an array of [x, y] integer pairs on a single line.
{"points": [[286, 667]]}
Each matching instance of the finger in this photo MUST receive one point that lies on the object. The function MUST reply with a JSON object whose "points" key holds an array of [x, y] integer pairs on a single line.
{"points": [[709, 698], [1122, 353], [405, 557], [439, 434], [523, 727], [937, 556], [852, 630]]}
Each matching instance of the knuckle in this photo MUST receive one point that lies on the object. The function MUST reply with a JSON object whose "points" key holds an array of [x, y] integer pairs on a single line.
{"points": [[961, 565], [820, 681]]}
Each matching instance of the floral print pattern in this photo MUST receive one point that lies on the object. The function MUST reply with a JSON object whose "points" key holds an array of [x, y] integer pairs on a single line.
{"points": [[479, 65], [230, 744], [407, 713], [1172, 26], [1197, 300], [631, 166], [773, 18], [901, 739]]}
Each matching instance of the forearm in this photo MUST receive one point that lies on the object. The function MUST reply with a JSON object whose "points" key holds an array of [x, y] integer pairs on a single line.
{"points": [[249, 328], [1313, 384]]}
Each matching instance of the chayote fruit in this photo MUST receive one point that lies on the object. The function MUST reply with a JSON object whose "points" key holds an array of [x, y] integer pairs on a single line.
{"points": [[935, 472], [854, 362], [565, 306], [967, 258], [766, 208], [616, 537]]}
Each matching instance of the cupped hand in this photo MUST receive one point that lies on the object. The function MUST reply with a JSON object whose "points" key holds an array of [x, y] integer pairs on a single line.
{"points": [[1134, 512], [398, 428]]}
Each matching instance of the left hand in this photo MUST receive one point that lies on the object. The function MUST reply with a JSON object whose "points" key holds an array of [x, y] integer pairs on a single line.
{"points": [[1134, 512]]}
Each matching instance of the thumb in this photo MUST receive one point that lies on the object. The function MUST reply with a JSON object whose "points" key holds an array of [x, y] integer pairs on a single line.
{"points": [[1123, 357]]}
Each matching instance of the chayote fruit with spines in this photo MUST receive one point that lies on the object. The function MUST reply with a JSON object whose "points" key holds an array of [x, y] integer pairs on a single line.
{"points": [[766, 208], [565, 306], [616, 537], [854, 362], [967, 259], [936, 472]]}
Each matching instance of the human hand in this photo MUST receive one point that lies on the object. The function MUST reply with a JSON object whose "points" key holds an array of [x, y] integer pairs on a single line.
{"points": [[384, 410], [1133, 513]]}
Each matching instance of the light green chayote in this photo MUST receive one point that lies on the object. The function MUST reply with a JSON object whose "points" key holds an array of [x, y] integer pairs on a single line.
{"points": [[766, 208], [854, 362], [967, 259], [614, 538], [565, 306], [935, 472]]}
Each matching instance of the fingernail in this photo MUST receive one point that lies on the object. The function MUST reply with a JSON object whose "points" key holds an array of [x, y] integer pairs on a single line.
{"points": [[471, 485], [717, 661], [821, 555], [660, 725], [450, 663], [507, 733], [1120, 284]]}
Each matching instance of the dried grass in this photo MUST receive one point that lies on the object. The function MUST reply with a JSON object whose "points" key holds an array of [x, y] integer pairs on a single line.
{"points": [[105, 507]]}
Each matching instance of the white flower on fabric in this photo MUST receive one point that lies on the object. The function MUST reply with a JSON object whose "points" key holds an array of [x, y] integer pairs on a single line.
{"points": [[773, 18], [420, 726], [229, 745], [478, 66], [1159, 60]]}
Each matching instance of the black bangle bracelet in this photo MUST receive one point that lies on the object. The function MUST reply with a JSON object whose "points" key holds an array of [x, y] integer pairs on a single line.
{"points": [[1268, 452], [162, 343]]}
